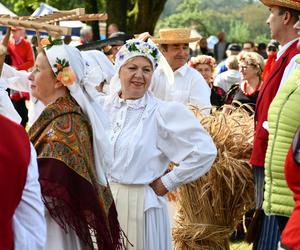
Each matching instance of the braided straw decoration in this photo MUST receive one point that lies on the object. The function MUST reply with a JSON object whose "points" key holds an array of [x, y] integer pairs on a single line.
{"points": [[209, 209]]}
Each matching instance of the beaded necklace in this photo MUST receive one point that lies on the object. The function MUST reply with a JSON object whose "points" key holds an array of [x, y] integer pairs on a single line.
{"points": [[244, 89]]}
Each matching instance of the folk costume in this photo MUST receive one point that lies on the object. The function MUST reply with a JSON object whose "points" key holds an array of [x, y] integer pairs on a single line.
{"points": [[147, 134], [22, 211], [270, 86], [284, 65], [218, 94], [18, 80], [187, 85], [266, 95], [6, 107], [283, 120], [73, 156]]}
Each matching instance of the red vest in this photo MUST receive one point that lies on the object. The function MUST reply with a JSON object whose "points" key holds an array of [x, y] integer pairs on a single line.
{"points": [[14, 161], [290, 236], [266, 95]]}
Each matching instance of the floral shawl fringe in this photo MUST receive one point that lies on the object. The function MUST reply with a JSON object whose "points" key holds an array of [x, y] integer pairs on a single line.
{"points": [[62, 138]]}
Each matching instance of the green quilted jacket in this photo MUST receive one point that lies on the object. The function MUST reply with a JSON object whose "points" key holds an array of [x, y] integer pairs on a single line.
{"points": [[283, 119]]}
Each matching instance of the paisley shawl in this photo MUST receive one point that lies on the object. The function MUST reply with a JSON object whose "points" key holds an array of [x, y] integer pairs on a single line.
{"points": [[62, 138]]}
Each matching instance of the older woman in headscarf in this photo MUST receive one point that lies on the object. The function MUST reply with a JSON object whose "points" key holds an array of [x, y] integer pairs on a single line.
{"points": [[18, 80], [73, 153], [148, 133]]}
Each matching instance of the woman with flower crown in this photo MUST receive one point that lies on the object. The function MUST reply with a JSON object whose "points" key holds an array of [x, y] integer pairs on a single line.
{"points": [[206, 66], [251, 66], [73, 152], [148, 133]]}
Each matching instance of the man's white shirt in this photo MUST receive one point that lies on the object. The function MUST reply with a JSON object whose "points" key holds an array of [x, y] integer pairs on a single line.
{"points": [[189, 86]]}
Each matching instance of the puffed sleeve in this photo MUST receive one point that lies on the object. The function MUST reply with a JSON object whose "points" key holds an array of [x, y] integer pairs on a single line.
{"points": [[15, 79], [183, 140], [6, 107], [29, 221], [200, 93]]}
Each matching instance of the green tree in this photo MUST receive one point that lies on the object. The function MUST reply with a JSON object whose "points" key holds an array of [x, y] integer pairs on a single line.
{"points": [[240, 20], [255, 15], [27, 7], [135, 16], [239, 32], [132, 16], [169, 8]]}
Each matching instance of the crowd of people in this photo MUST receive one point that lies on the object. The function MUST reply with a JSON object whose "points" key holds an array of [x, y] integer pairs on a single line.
{"points": [[91, 171]]}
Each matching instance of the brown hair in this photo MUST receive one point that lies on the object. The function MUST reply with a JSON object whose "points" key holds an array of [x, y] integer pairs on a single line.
{"points": [[163, 46], [232, 62], [294, 13]]}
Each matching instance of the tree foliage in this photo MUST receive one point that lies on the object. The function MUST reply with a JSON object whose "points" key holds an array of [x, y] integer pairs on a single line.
{"points": [[241, 20], [135, 16], [27, 7], [132, 16]]}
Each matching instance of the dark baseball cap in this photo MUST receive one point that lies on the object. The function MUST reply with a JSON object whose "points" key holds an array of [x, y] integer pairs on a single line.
{"points": [[234, 47], [273, 43]]}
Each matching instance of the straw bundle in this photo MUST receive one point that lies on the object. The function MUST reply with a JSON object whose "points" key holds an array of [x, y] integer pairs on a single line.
{"points": [[209, 209]]}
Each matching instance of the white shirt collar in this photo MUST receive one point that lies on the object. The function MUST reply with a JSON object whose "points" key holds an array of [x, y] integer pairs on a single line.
{"points": [[284, 48], [135, 104], [182, 70]]}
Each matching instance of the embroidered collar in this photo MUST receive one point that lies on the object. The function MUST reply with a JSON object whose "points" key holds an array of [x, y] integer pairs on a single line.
{"points": [[135, 104]]}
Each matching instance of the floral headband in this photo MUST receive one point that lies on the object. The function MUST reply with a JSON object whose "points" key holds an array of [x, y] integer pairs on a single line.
{"points": [[251, 58], [59, 60], [202, 59], [133, 48]]}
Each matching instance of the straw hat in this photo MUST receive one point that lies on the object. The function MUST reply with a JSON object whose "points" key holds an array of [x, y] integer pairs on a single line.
{"points": [[292, 4], [174, 36]]}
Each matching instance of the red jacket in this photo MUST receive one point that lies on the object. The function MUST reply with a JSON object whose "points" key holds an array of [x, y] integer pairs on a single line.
{"points": [[21, 54], [291, 234], [266, 95], [22, 59], [14, 161]]}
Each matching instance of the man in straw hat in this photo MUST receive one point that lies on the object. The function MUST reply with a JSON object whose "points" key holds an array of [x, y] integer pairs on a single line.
{"points": [[283, 15], [189, 86]]}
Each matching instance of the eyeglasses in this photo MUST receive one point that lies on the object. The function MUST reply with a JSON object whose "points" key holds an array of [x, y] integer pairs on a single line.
{"points": [[247, 66], [244, 67]]}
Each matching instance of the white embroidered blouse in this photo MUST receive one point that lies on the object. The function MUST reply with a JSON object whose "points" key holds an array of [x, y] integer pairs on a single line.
{"points": [[148, 133]]}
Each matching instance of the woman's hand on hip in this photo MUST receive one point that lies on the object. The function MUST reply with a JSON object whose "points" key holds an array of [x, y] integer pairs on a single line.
{"points": [[158, 187]]}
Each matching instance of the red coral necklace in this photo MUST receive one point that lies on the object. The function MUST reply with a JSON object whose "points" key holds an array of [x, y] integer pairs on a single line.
{"points": [[244, 89]]}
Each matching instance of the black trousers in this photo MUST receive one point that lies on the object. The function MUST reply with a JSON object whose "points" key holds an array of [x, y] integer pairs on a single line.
{"points": [[22, 110]]}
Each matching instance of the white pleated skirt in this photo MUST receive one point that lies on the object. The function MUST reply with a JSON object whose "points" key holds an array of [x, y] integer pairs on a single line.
{"points": [[143, 217], [58, 239]]}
